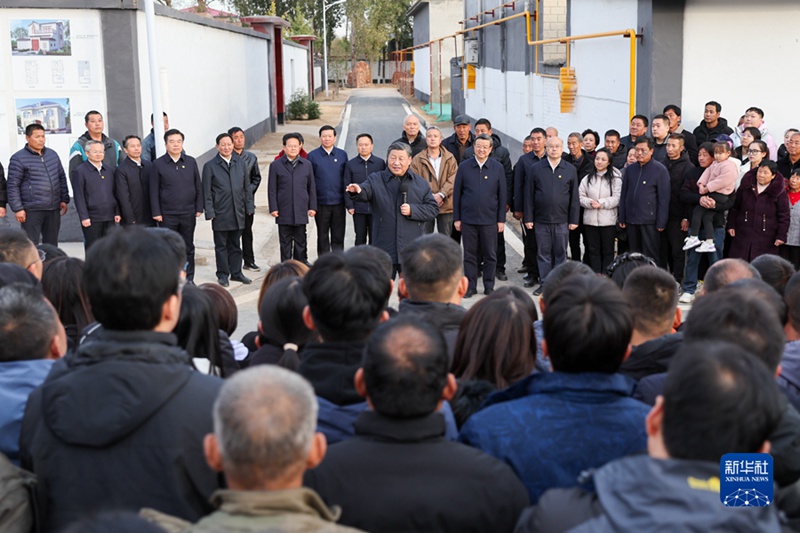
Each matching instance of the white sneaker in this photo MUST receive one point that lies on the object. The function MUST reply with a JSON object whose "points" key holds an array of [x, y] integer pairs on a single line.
{"points": [[686, 298], [707, 247], [691, 242]]}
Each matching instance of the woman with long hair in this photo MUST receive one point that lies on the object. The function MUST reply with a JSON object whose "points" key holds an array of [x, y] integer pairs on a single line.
{"points": [[599, 193], [62, 284]]}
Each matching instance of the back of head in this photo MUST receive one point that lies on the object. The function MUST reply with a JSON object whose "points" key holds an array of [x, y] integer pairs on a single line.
{"points": [[290, 268], [62, 283], [559, 275], [172, 239], [653, 297], [760, 290], [16, 247], [198, 327], [727, 271], [774, 270], [624, 264], [129, 276], [346, 296], [496, 341], [791, 297], [264, 420], [11, 273], [432, 268], [50, 252], [405, 368], [587, 326], [718, 399], [281, 320], [224, 305], [741, 318], [27, 323], [367, 252]]}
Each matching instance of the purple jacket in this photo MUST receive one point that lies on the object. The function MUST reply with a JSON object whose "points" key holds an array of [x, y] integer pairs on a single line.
{"points": [[758, 219]]}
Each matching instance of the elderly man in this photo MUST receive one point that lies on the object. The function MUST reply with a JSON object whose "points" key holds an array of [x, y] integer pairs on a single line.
{"points": [[93, 189], [551, 207], [401, 203], [411, 135], [790, 164], [438, 167], [112, 151], [461, 139], [16, 248]]}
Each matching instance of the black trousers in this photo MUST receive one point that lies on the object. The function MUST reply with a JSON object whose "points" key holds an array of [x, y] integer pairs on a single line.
{"points": [[184, 225], [294, 243], [501, 254], [247, 240], [228, 252], [479, 241], [599, 246], [531, 251], [330, 228], [645, 239], [575, 241], [95, 232], [363, 227], [673, 258], [44, 224]]}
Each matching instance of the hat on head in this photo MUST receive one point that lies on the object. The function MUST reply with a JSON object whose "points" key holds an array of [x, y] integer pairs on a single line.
{"points": [[725, 139], [461, 119]]}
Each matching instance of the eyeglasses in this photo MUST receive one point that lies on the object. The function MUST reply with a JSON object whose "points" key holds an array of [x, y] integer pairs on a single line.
{"points": [[751, 151], [628, 257], [42, 257], [181, 284]]}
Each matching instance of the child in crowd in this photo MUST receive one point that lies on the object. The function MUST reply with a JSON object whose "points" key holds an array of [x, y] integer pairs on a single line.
{"points": [[718, 182]]}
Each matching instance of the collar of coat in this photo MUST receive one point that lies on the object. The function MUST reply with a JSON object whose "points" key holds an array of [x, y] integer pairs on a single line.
{"points": [[372, 424], [271, 502]]}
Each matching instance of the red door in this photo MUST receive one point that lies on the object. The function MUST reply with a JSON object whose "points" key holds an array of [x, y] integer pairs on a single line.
{"points": [[35, 44]]}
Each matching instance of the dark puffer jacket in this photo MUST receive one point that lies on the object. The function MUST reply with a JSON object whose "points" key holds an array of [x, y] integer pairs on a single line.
{"points": [[36, 182]]}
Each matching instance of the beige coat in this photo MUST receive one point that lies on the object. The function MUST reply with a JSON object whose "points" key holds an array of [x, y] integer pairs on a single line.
{"points": [[443, 183]]}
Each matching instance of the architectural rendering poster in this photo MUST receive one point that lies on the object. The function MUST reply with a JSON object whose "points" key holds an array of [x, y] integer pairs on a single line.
{"points": [[42, 37], [52, 113]]}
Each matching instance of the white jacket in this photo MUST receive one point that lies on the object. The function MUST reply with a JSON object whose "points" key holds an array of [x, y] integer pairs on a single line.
{"points": [[608, 197]]}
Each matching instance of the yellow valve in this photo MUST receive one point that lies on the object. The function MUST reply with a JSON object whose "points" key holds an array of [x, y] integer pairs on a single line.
{"points": [[412, 68], [568, 89]]}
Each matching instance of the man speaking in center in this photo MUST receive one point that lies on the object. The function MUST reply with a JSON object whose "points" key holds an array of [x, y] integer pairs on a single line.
{"points": [[401, 203]]}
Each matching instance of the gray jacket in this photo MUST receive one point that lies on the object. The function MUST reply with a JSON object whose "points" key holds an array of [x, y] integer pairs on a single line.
{"points": [[608, 197], [793, 237]]}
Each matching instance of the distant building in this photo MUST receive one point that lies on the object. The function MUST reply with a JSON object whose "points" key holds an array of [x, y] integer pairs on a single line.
{"points": [[43, 36], [434, 19], [51, 115]]}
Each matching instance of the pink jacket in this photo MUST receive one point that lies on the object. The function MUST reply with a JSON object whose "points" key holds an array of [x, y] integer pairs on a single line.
{"points": [[720, 177]]}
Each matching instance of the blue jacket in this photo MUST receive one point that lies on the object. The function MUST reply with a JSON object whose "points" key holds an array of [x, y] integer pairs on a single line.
{"points": [[291, 190], [391, 231], [17, 380], [36, 182], [479, 194], [551, 195], [551, 427], [789, 379], [329, 174], [645, 194], [356, 171], [93, 190]]}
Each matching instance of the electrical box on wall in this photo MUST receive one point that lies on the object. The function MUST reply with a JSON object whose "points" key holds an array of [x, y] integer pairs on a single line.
{"points": [[471, 51]]}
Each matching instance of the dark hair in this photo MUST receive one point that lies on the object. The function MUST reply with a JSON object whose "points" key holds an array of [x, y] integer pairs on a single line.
{"points": [[593, 134], [431, 267], [164, 113], [755, 110], [198, 328], [708, 146], [225, 307], [642, 118], [542, 131], [281, 316], [663, 118], [469, 398], [291, 135], [367, 135], [645, 140], [678, 137], [755, 132], [484, 121], [172, 131], [405, 367], [327, 127], [612, 133], [496, 341], [717, 400], [672, 107], [116, 521], [290, 268], [740, 317], [771, 165], [757, 288], [234, 129], [774, 270], [222, 136], [175, 242], [11, 273], [373, 253], [30, 128], [559, 275], [129, 276], [587, 326], [763, 145], [16, 247], [62, 284], [128, 138], [716, 105], [609, 174], [346, 296], [27, 323], [791, 296], [653, 297], [722, 147], [483, 137], [727, 271], [89, 114]]}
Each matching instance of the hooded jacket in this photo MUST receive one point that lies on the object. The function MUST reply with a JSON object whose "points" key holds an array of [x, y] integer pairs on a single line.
{"points": [[703, 133], [120, 424], [651, 357], [417, 146], [677, 168]]}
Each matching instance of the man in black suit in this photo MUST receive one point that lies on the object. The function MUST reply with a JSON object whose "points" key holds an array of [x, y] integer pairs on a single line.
{"points": [[479, 212], [132, 184]]}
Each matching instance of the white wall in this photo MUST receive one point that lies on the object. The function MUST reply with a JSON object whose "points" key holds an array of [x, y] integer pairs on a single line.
{"points": [[516, 102], [212, 79], [79, 77], [755, 68], [295, 70], [317, 77], [422, 73]]}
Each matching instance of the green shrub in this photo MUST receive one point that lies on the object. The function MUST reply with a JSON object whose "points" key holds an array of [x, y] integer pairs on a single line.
{"points": [[301, 106], [312, 110]]}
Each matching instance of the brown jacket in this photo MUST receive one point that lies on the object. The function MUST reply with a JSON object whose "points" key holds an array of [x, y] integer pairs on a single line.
{"points": [[443, 183]]}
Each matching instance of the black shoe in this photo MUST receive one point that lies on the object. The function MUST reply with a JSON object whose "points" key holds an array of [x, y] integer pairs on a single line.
{"points": [[522, 270], [538, 291], [501, 275], [487, 292], [529, 283], [241, 278], [223, 281], [252, 266], [470, 293]]}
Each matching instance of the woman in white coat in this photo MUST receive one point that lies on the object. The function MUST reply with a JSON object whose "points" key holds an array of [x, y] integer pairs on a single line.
{"points": [[599, 196]]}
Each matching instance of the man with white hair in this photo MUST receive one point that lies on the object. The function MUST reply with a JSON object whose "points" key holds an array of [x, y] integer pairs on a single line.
{"points": [[264, 440], [411, 135]]}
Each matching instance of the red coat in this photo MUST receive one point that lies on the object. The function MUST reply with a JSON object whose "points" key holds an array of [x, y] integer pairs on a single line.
{"points": [[759, 219]]}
